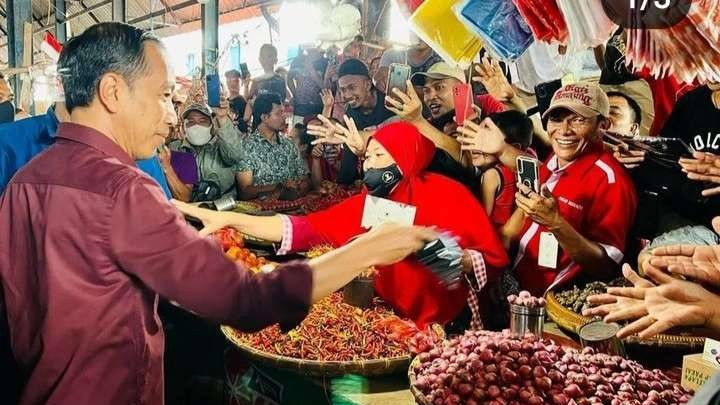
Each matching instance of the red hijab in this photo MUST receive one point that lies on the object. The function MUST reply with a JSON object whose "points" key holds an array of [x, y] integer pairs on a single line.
{"points": [[412, 289]]}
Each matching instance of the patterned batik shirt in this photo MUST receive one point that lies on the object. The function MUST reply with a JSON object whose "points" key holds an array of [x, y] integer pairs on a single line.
{"points": [[272, 162]]}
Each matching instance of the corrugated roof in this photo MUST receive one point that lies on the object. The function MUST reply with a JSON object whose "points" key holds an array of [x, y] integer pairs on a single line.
{"points": [[166, 17]]}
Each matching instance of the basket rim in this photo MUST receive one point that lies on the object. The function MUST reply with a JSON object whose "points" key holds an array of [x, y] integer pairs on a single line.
{"points": [[228, 331]]}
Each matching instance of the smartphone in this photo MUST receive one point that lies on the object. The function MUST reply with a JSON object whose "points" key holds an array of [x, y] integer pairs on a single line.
{"points": [[462, 93], [477, 87], [398, 76], [213, 89], [244, 71], [528, 173], [669, 147]]}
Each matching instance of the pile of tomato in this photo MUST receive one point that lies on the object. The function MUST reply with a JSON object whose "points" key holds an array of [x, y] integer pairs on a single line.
{"points": [[234, 247]]}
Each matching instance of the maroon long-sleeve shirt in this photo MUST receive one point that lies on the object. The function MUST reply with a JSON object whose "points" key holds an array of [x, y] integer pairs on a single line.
{"points": [[87, 242]]}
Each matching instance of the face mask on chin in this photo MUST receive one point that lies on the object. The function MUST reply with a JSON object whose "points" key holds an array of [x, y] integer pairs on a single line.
{"points": [[198, 135], [381, 182]]}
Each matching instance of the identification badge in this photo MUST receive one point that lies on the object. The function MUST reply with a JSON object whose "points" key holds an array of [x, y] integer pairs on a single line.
{"points": [[547, 257], [378, 210]]}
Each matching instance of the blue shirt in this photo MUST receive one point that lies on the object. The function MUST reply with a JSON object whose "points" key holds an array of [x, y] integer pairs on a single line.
{"points": [[20, 141]]}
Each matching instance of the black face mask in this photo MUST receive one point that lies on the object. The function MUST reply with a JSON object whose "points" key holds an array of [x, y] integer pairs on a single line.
{"points": [[380, 182], [7, 112]]}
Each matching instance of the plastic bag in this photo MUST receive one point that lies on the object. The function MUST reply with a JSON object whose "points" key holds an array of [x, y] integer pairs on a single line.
{"points": [[588, 25], [435, 23], [544, 19], [500, 25]]}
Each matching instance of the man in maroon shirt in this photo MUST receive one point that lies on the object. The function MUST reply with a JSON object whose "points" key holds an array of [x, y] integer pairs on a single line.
{"points": [[88, 242]]}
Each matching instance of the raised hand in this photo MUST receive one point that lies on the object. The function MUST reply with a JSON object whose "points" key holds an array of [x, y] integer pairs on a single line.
{"points": [[212, 220], [703, 167], [409, 107], [491, 75], [485, 137], [327, 97]]}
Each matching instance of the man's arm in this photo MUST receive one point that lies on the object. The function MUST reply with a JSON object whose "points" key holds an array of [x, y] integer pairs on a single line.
{"points": [[229, 142], [247, 190], [180, 191], [510, 232], [590, 256]]}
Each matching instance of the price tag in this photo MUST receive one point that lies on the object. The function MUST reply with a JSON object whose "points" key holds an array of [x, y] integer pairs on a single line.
{"points": [[549, 246]]}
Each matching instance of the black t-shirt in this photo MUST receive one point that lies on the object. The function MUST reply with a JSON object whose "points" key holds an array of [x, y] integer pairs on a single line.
{"points": [[377, 116], [696, 120], [615, 71], [273, 84]]}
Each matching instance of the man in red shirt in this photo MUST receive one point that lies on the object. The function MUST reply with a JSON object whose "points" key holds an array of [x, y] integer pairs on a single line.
{"points": [[580, 219], [88, 242]]}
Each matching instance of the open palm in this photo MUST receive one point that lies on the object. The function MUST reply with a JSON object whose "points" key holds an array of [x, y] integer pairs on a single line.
{"points": [[699, 263], [490, 74]]}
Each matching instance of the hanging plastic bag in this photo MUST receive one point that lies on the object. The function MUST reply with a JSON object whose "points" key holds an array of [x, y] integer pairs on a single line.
{"points": [[588, 25], [500, 25], [436, 23], [544, 18]]}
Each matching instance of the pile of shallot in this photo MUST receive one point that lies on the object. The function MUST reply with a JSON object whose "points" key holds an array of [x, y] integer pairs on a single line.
{"points": [[525, 299], [497, 368]]}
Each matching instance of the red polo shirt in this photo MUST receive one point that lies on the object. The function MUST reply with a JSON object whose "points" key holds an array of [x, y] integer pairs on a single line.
{"points": [[596, 196]]}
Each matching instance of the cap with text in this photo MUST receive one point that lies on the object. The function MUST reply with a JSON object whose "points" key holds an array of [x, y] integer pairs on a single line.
{"points": [[585, 99]]}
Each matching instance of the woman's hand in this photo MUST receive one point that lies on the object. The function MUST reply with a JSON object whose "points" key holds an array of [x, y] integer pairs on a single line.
{"points": [[389, 242], [212, 221]]}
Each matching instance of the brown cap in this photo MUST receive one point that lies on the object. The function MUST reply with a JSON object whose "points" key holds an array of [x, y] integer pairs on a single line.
{"points": [[583, 98]]}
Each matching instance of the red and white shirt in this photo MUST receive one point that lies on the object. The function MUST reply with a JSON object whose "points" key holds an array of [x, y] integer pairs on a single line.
{"points": [[597, 197]]}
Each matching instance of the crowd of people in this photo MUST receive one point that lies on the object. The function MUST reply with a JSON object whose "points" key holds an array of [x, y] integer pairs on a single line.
{"points": [[81, 228]]}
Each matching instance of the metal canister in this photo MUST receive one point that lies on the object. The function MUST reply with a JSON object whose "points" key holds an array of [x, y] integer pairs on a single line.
{"points": [[225, 203], [602, 337], [359, 292], [525, 320]]}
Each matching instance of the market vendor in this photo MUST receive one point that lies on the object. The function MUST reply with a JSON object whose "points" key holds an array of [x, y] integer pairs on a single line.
{"points": [[395, 163], [579, 222], [216, 143], [88, 241]]}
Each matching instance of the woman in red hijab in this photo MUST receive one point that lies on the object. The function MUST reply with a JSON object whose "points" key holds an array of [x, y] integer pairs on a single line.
{"points": [[395, 162]]}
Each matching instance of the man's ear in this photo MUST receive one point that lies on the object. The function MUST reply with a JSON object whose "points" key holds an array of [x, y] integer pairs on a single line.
{"points": [[111, 91], [635, 129], [604, 124]]}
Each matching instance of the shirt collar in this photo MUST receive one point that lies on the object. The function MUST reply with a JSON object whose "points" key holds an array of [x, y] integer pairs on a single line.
{"points": [[94, 139], [581, 163], [279, 138]]}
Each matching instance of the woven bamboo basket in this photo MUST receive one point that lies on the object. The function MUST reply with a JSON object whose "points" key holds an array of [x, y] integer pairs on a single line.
{"points": [[316, 368], [572, 322]]}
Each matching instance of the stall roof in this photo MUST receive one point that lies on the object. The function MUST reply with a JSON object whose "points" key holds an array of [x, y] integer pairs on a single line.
{"points": [[165, 17]]}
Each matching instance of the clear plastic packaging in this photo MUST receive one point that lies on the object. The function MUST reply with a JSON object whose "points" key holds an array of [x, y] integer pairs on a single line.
{"points": [[436, 23], [499, 24]]}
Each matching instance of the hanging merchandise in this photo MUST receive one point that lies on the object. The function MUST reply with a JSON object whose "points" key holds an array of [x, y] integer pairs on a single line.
{"points": [[688, 50], [435, 23], [410, 5], [544, 19], [499, 24], [588, 25]]}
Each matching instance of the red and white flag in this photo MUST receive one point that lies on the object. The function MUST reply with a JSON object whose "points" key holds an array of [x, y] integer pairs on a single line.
{"points": [[51, 46]]}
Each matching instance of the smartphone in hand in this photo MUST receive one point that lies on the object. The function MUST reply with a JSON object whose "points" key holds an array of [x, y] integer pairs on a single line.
{"points": [[398, 76], [462, 94], [244, 71], [528, 173], [213, 89]]}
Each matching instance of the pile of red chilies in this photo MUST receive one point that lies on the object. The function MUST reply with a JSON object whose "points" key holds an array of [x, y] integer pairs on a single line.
{"points": [[333, 331]]}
